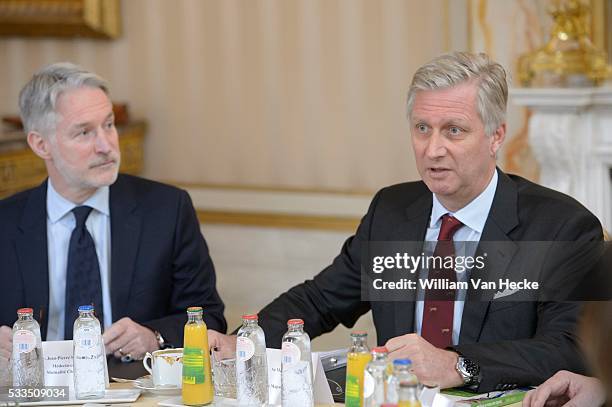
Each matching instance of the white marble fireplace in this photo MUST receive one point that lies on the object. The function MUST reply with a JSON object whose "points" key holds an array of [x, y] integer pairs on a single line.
{"points": [[570, 132]]}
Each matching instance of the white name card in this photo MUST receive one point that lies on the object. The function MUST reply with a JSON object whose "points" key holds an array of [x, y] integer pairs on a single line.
{"points": [[58, 364], [322, 393]]}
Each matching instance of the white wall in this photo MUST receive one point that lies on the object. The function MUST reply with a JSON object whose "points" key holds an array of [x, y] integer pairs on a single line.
{"points": [[298, 93], [254, 265]]}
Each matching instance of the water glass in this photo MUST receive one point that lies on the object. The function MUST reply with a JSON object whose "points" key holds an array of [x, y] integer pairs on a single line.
{"points": [[224, 376]]}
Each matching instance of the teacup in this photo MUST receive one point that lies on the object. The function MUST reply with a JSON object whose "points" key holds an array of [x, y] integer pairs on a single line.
{"points": [[166, 367]]}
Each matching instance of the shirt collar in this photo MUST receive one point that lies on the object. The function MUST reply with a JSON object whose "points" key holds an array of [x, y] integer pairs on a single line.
{"points": [[474, 215], [58, 206]]}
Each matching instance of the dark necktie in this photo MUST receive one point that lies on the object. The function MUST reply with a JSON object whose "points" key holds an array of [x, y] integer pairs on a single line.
{"points": [[438, 311], [83, 283]]}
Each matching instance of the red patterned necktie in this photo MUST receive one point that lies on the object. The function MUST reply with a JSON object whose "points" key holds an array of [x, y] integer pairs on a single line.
{"points": [[438, 311]]}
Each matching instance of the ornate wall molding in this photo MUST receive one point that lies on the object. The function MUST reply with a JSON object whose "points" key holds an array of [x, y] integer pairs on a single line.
{"points": [[570, 132], [60, 18]]}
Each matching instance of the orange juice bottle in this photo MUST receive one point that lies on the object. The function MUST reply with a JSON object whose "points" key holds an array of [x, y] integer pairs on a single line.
{"points": [[197, 380], [357, 359]]}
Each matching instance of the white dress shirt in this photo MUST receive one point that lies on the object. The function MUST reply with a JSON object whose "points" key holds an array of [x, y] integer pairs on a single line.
{"points": [[60, 223], [473, 216]]}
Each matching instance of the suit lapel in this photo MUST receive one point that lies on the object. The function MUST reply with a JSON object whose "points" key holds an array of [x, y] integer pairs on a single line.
{"points": [[412, 230], [32, 253], [499, 249], [126, 224]]}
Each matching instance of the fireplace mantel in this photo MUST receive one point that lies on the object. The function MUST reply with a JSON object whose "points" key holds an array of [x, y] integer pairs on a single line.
{"points": [[570, 132]]}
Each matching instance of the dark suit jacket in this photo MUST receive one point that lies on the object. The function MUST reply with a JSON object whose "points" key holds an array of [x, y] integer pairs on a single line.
{"points": [[515, 343], [160, 263]]}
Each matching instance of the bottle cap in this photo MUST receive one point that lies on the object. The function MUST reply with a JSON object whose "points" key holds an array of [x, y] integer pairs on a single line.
{"points": [[250, 317], [194, 310], [85, 308], [25, 311], [359, 334], [402, 362], [295, 322], [380, 349]]}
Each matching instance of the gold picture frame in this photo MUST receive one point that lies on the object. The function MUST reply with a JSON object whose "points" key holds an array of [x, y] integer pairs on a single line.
{"points": [[61, 18], [601, 13]]}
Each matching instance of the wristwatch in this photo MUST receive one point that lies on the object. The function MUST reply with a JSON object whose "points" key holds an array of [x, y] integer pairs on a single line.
{"points": [[469, 370], [160, 340]]}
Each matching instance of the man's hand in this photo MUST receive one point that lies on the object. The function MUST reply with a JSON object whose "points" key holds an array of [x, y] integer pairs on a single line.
{"points": [[126, 337], [225, 345], [6, 348], [433, 366], [6, 342], [568, 390]]}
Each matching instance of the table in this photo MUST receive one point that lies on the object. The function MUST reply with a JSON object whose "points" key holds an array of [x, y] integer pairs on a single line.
{"points": [[134, 370], [148, 400], [145, 399]]}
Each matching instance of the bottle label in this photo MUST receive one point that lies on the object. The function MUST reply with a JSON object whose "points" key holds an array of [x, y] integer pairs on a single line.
{"points": [[355, 367], [290, 353], [193, 366], [368, 384], [24, 341], [86, 338], [245, 348], [353, 393]]}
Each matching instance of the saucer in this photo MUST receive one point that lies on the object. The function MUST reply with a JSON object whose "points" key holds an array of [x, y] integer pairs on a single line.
{"points": [[146, 383]]}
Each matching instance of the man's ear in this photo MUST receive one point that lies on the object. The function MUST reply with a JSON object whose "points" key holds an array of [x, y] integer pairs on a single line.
{"points": [[497, 139], [39, 144]]}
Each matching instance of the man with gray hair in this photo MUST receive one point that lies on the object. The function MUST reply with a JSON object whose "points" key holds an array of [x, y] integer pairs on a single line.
{"points": [[89, 235], [456, 109]]}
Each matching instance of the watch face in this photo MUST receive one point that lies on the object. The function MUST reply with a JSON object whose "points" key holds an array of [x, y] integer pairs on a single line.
{"points": [[471, 367], [467, 369]]}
